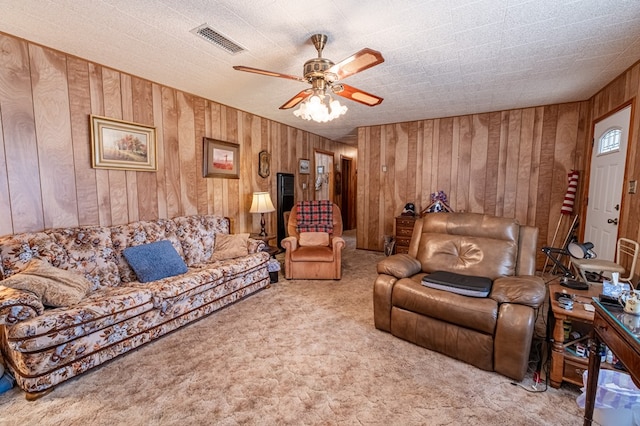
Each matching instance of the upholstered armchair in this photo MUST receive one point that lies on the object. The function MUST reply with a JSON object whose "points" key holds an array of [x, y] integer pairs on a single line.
{"points": [[313, 248]]}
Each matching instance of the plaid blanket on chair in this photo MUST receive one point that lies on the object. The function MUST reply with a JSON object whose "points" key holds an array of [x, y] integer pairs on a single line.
{"points": [[315, 216]]}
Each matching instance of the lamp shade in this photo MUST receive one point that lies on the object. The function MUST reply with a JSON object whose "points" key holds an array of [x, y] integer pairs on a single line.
{"points": [[261, 203], [581, 251]]}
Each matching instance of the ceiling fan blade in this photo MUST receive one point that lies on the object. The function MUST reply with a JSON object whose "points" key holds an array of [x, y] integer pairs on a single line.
{"points": [[269, 73], [358, 95], [359, 61], [297, 99]]}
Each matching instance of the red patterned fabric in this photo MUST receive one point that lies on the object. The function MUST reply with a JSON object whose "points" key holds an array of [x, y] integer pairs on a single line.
{"points": [[570, 197], [315, 216]]}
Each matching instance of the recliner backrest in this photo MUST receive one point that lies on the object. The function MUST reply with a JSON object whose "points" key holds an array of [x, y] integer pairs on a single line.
{"points": [[467, 243], [292, 229]]}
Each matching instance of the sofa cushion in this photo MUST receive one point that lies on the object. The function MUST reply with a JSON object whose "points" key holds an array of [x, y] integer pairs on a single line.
{"points": [[478, 314], [55, 287], [312, 254], [90, 251], [313, 239], [230, 246], [204, 277], [192, 282], [238, 267], [197, 242], [155, 261], [99, 310], [197, 236]]}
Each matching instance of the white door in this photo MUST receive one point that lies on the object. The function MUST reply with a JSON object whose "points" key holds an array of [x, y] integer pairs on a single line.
{"points": [[606, 182]]}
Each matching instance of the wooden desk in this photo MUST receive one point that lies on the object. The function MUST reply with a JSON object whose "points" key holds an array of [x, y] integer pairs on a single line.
{"points": [[613, 328], [565, 367]]}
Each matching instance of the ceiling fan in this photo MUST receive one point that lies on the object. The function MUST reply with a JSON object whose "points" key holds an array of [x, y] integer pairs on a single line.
{"points": [[324, 75]]}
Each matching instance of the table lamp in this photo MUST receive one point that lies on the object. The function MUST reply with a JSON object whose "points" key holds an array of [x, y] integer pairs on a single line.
{"points": [[262, 204]]}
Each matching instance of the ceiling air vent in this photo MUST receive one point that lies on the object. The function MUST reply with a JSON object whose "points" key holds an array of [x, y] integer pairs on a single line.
{"points": [[213, 36]]}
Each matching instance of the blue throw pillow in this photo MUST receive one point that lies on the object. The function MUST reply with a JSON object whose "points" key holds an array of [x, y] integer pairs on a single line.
{"points": [[155, 261]]}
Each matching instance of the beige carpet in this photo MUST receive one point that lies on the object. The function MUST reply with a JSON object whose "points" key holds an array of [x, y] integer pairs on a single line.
{"points": [[302, 353]]}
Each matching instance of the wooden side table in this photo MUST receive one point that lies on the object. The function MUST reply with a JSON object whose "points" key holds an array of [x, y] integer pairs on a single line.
{"points": [[564, 366], [266, 238]]}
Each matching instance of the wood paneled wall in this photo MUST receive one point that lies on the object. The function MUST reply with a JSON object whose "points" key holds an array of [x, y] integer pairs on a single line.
{"points": [[508, 163], [46, 178]]}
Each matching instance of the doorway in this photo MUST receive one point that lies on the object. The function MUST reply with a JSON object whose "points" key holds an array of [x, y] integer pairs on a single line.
{"points": [[606, 181], [286, 193], [346, 186], [324, 177]]}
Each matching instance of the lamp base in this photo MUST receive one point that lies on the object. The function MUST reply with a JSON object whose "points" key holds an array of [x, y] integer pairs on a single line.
{"points": [[573, 284], [263, 231]]}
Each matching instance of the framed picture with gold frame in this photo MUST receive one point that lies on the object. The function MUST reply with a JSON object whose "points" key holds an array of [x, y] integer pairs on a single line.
{"points": [[221, 159], [122, 145]]}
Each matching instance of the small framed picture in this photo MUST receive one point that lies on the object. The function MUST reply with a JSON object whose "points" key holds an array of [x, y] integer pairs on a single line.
{"points": [[221, 159], [303, 167], [122, 145], [264, 164], [320, 170]]}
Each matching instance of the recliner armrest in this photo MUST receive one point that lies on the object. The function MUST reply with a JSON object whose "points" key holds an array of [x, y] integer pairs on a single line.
{"points": [[399, 265], [526, 290], [289, 243], [338, 243]]}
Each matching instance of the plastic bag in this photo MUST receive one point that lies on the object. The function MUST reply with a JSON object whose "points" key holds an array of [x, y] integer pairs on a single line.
{"points": [[615, 390]]}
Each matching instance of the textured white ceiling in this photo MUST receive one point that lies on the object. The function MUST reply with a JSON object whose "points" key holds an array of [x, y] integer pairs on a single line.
{"points": [[442, 57]]}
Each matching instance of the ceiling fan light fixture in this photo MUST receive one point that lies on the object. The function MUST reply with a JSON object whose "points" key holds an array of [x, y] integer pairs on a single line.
{"points": [[336, 110], [320, 108], [323, 74]]}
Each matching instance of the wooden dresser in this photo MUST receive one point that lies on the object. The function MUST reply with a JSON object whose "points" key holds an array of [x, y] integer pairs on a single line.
{"points": [[404, 229]]}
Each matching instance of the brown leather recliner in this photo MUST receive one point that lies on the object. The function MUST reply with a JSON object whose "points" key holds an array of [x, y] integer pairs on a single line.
{"points": [[493, 333], [315, 258]]}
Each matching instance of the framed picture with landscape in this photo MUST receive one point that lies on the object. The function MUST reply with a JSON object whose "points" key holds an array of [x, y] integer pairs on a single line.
{"points": [[121, 145], [221, 159], [303, 166]]}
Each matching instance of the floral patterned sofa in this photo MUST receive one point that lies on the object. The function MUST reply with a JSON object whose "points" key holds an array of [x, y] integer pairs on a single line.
{"points": [[44, 346]]}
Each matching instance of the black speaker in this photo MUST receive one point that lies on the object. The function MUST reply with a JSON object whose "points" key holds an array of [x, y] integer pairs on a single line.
{"points": [[286, 190]]}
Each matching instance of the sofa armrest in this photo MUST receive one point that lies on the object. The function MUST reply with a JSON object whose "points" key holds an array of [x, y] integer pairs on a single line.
{"points": [[526, 290], [399, 266], [18, 305], [255, 246]]}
